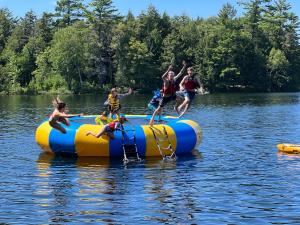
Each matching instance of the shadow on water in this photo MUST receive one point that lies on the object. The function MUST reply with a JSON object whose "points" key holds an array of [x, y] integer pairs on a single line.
{"points": [[105, 162]]}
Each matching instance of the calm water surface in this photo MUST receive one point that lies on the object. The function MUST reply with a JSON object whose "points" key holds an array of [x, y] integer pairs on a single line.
{"points": [[235, 177]]}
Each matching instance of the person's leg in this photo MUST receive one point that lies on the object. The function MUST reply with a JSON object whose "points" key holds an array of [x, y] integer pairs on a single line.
{"points": [[117, 112], [187, 105], [110, 115], [151, 107], [163, 102], [158, 110], [65, 121], [189, 98], [184, 103], [57, 126], [159, 116], [179, 100]]}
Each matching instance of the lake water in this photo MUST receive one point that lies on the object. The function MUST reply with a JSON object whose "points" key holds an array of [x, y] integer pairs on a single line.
{"points": [[235, 177]]}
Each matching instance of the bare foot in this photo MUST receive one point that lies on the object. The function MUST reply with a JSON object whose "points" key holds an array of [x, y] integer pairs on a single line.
{"points": [[181, 115]]}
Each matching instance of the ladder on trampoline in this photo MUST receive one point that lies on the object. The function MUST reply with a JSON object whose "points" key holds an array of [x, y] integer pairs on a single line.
{"points": [[129, 146], [163, 143]]}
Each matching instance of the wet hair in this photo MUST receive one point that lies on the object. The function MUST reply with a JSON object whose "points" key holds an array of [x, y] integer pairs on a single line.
{"points": [[113, 90], [57, 103], [171, 71], [190, 68]]}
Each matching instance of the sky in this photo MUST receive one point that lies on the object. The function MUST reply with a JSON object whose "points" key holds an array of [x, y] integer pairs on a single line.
{"points": [[192, 8]]}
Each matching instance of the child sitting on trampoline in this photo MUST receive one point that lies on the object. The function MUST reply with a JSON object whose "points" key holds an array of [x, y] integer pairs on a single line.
{"points": [[59, 116], [103, 119]]}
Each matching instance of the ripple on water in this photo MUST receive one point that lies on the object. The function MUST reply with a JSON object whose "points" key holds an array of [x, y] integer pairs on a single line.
{"points": [[237, 178]]}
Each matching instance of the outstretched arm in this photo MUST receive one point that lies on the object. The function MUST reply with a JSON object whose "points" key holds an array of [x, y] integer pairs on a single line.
{"points": [[181, 71], [69, 115], [164, 76], [126, 94], [200, 88]]}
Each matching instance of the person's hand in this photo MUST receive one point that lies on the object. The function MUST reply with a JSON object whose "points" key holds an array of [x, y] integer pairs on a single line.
{"points": [[184, 63], [200, 91], [88, 133], [130, 91]]}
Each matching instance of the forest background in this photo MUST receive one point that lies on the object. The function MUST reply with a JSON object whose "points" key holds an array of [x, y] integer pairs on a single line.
{"points": [[86, 47]]}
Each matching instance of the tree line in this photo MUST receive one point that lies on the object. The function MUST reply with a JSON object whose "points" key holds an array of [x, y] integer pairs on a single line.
{"points": [[89, 47]]}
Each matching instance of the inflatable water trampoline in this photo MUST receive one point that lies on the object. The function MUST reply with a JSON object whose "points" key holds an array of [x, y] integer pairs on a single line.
{"points": [[172, 136]]}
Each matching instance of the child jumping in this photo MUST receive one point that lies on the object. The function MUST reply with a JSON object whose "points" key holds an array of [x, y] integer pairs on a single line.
{"points": [[169, 89], [188, 88], [155, 101], [59, 116]]}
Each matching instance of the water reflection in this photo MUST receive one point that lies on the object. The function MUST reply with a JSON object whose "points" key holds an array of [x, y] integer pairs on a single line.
{"points": [[100, 187]]}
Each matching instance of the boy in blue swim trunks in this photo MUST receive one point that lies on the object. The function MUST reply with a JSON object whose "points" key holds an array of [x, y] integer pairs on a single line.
{"points": [[188, 88]]}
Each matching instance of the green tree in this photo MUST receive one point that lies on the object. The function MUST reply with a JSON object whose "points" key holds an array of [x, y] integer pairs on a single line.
{"points": [[277, 66], [102, 17], [6, 27], [69, 54], [44, 28], [68, 12]]}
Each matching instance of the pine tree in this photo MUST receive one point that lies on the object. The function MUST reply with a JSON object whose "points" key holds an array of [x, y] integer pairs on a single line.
{"points": [[103, 16], [68, 11]]}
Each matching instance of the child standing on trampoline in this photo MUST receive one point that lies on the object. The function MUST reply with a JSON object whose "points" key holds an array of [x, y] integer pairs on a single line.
{"points": [[113, 102]]}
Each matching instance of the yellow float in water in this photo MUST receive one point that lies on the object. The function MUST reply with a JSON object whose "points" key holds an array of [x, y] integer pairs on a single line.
{"points": [[289, 148]]}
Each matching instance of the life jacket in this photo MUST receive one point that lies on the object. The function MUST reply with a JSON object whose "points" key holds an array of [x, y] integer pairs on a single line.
{"points": [[113, 125], [114, 102], [190, 83], [169, 87], [102, 120], [156, 98]]}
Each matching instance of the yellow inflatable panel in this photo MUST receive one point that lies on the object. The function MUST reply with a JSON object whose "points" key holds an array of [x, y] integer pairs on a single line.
{"points": [[151, 146], [89, 145], [196, 128], [289, 148], [42, 136]]}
